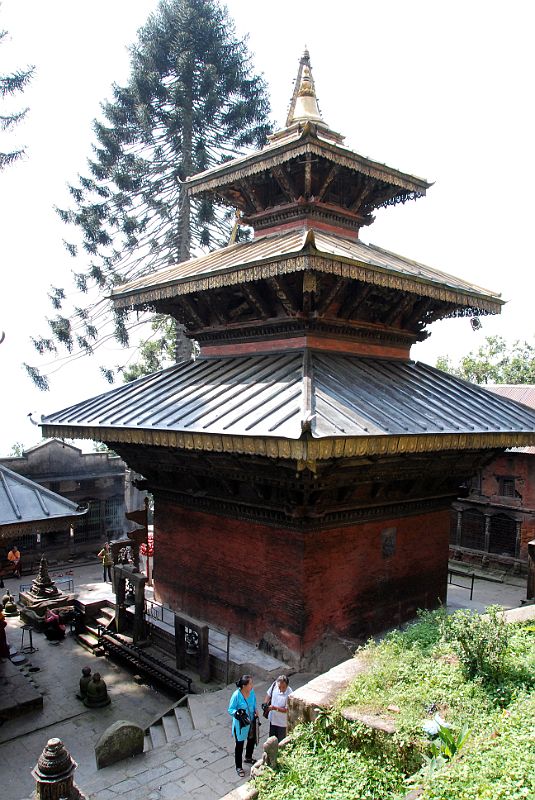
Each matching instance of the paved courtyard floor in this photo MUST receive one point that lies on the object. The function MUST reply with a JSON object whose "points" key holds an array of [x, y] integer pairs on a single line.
{"points": [[198, 764]]}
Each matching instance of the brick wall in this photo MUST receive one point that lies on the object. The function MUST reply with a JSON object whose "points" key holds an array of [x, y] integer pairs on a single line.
{"points": [[254, 579]]}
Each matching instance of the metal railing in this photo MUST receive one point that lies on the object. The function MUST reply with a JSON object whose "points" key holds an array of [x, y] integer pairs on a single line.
{"points": [[459, 573], [66, 585], [166, 617]]}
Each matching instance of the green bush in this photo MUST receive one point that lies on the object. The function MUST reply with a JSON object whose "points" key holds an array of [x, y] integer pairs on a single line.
{"points": [[420, 672], [480, 642]]}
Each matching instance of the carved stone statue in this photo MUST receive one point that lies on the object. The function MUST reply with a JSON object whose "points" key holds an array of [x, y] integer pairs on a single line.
{"points": [[84, 680], [269, 757], [96, 693]]}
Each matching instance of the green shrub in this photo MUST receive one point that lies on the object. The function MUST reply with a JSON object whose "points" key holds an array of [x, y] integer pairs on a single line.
{"points": [[480, 642]]}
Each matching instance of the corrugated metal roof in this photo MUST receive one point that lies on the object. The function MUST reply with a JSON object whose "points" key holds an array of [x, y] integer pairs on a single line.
{"points": [[264, 396], [24, 501], [285, 245]]}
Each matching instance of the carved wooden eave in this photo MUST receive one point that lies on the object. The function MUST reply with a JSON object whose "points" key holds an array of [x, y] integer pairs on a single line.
{"points": [[306, 140], [304, 251], [304, 452]]}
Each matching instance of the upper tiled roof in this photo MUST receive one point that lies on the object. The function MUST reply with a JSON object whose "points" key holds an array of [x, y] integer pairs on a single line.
{"points": [[234, 403], [348, 257]]}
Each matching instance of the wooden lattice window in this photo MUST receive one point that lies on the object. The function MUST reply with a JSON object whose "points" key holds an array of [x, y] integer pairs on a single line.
{"points": [[473, 530], [506, 486], [502, 540]]}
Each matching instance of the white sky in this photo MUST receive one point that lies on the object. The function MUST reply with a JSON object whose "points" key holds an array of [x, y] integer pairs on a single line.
{"points": [[440, 90]]}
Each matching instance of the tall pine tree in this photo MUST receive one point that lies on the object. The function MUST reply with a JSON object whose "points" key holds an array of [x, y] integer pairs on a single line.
{"points": [[192, 101], [11, 84]]}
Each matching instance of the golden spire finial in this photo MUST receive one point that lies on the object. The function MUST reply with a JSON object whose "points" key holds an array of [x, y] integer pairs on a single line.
{"points": [[304, 104]]}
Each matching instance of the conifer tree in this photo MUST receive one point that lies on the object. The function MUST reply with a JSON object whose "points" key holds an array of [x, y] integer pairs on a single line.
{"points": [[11, 84], [192, 101]]}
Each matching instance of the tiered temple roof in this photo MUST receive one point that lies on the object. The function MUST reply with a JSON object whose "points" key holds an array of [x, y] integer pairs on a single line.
{"points": [[305, 331]]}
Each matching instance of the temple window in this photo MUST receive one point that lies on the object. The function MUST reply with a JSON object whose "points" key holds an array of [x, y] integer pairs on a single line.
{"points": [[506, 486], [473, 530], [503, 538]]}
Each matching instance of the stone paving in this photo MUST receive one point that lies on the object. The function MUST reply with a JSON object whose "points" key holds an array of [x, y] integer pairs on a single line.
{"points": [[197, 765]]}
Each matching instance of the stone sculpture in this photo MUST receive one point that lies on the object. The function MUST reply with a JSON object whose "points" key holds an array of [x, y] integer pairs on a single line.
{"points": [[96, 694]]}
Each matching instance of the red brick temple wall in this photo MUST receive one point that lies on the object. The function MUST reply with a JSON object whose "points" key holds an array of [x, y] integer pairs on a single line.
{"points": [[253, 579]]}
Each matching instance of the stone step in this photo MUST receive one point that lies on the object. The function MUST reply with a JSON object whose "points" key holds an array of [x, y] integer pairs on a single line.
{"points": [[147, 743], [170, 727], [108, 612], [157, 735], [88, 640], [104, 621], [184, 720]]}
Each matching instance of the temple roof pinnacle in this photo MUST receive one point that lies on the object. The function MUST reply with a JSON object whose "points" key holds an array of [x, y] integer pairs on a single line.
{"points": [[304, 103]]}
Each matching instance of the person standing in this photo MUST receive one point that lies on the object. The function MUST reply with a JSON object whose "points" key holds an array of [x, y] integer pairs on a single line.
{"points": [[107, 562], [242, 709], [14, 557], [277, 698]]}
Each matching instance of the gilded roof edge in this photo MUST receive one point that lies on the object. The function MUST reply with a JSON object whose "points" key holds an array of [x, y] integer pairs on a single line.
{"points": [[262, 160], [304, 451], [309, 261]]}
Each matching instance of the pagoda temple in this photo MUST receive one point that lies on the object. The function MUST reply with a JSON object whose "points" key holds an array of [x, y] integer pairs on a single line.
{"points": [[303, 466]]}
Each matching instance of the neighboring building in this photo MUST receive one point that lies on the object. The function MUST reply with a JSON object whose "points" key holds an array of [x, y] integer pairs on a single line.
{"points": [[495, 522], [303, 467], [94, 480], [28, 511]]}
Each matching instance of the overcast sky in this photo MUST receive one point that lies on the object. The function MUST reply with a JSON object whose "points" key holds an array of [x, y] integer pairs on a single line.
{"points": [[440, 90]]}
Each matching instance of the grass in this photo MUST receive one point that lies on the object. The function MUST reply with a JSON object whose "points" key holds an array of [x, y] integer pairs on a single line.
{"points": [[420, 672]]}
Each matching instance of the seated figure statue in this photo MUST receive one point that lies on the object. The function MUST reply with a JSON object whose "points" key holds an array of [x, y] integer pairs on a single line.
{"points": [[96, 694]]}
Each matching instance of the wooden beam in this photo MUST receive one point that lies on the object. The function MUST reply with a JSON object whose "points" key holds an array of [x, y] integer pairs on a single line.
{"points": [[333, 172], [308, 175], [212, 308], [256, 300], [367, 189], [186, 304], [353, 302], [419, 309], [326, 300], [283, 179], [251, 196], [283, 295], [398, 309]]}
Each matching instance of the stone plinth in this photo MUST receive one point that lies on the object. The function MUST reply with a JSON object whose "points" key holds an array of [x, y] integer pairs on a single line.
{"points": [[121, 740]]}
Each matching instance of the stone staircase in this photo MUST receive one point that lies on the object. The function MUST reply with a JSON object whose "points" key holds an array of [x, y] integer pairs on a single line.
{"points": [[89, 638], [176, 725]]}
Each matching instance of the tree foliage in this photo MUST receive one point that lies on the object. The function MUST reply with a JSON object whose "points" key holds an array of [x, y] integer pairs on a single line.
{"points": [[11, 84], [192, 101], [495, 362]]}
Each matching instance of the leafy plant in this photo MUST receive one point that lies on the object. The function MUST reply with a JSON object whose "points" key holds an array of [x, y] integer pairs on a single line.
{"points": [[480, 641], [444, 747]]}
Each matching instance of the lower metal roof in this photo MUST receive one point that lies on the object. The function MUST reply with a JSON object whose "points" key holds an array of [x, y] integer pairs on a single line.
{"points": [[24, 502], [234, 402]]}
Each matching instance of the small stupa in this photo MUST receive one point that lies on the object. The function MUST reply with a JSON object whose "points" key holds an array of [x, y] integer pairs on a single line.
{"points": [[43, 593]]}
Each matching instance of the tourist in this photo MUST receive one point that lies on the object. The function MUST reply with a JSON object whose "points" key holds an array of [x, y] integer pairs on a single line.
{"points": [[107, 562], [54, 630], [4, 647], [277, 700], [242, 709], [14, 558]]}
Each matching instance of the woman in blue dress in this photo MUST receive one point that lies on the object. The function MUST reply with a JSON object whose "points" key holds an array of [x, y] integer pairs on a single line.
{"points": [[242, 709]]}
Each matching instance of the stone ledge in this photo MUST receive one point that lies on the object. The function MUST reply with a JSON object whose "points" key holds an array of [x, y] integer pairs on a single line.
{"points": [[321, 692]]}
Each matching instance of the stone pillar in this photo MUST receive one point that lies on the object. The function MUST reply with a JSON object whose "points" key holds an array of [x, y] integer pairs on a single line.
{"points": [[459, 528], [487, 533], [518, 532], [54, 774]]}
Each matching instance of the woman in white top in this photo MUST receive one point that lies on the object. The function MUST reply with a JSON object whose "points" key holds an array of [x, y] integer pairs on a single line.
{"points": [[277, 699]]}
